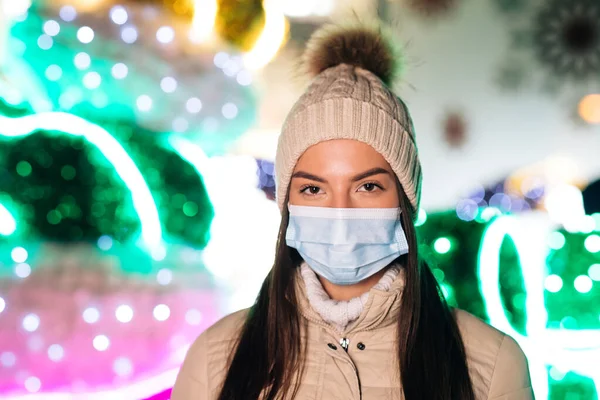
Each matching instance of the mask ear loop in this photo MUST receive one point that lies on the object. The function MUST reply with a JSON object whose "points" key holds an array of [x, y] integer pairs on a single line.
{"points": [[400, 236]]}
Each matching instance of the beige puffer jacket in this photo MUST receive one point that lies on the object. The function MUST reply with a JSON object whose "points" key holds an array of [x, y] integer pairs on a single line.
{"points": [[368, 370]]}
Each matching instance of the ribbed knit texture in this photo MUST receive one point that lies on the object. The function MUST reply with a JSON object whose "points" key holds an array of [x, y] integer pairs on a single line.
{"points": [[341, 313], [346, 102]]}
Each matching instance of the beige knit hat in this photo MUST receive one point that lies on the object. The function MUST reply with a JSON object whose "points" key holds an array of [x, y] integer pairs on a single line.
{"points": [[350, 98]]}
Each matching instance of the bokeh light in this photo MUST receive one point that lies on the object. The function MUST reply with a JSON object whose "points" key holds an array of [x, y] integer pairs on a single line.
{"points": [[165, 34], [82, 60], [553, 283], [51, 27], [592, 243], [119, 71], [583, 284], [230, 111], [19, 254], [123, 366], [556, 240], [31, 322], [56, 352], [589, 108], [124, 313], [168, 84], [129, 34], [193, 317], [164, 276], [53, 72], [33, 384], [91, 315], [144, 103], [22, 270], [8, 359], [594, 272], [161, 312], [193, 105], [101, 342], [68, 13], [118, 15], [85, 34], [421, 218], [442, 245]]}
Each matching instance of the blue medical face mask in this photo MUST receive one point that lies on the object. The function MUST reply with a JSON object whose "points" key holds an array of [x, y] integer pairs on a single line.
{"points": [[346, 245]]}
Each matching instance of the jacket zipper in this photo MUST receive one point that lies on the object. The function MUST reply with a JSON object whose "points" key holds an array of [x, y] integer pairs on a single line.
{"points": [[345, 343]]}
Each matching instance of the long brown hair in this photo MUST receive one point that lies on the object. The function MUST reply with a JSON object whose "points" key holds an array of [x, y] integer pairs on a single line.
{"points": [[269, 352]]}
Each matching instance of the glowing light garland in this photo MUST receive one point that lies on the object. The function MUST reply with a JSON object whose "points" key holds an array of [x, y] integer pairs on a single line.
{"points": [[203, 23], [143, 202], [8, 223], [228, 179], [271, 38], [567, 350]]}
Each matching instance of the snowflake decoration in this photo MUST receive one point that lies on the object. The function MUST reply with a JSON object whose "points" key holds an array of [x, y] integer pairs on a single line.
{"points": [[511, 6], [511, 77], [455, 129], [566, 37], [432, 7]]}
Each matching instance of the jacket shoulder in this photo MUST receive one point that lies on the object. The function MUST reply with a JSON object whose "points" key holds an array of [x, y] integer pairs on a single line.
{"points": [[206, 362], [497, 365], [227, 328]]}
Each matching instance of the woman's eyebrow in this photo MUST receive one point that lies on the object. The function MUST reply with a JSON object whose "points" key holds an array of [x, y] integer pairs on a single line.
{"points": [[306, 175], [371, 172], [361, 176]]}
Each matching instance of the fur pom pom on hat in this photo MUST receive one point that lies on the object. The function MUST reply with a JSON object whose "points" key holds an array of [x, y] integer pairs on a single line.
{"points": [[350, 98], [369, 47]]}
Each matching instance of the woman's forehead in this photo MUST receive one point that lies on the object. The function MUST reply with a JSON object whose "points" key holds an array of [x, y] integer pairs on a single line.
{"points": [[340, 155]]}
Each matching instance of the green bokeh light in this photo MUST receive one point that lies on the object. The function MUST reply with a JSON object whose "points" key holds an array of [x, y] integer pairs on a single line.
{"points": [[24, 168], [442, 245], [592, 243], [54, 217], [553, 283], [190, 209], [556, 241], [583, 284], [594, 272], [422, 218], [68, 173], [439, 274]]}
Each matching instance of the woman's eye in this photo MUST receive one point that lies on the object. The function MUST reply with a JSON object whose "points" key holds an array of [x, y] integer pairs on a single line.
{"points": [[369, 187], [312, 190]]}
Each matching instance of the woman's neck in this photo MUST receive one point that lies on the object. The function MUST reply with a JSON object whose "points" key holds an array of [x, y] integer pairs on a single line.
{"points": [[348, 292]]}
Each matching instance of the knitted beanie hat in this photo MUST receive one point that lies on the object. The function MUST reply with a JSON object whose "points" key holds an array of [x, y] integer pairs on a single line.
{"points": [[350, 98]]}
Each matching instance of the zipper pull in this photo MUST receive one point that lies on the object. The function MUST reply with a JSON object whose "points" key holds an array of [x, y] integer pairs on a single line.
{"points": [[345, 343]]}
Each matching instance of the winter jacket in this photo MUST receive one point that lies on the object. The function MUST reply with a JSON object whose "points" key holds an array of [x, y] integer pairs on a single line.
{"points": [[363, 364]]}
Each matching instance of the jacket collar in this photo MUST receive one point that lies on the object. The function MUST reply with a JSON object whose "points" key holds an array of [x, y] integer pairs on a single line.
{"points": [[381, 310]]}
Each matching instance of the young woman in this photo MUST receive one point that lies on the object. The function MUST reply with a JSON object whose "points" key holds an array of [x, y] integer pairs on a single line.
{"points": [[348, 311]]}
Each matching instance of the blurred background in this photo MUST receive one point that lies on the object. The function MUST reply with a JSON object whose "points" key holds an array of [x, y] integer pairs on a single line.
{"points": [[137, 140]]}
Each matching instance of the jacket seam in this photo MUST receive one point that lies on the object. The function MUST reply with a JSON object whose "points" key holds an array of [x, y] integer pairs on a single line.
{"points": [[494, 370], [511, 392]]}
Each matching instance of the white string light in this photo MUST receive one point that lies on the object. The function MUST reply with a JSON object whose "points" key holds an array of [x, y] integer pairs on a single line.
{"points": [[101, 342], [67, 13], [85, 34], [129, 34], [165, 34], [118, 15]]}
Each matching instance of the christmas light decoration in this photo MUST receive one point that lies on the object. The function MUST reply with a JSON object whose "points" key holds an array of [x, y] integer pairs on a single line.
{"points": [[567, 38], [151, 231], [566, 349], [69, 323]]}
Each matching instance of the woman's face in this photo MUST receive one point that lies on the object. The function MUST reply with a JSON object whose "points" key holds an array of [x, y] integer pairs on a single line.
{"points": [[343, 174]]}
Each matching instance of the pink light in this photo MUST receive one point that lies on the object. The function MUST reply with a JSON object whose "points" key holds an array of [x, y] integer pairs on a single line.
{"points": [[139, 390], [152, 344]]}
